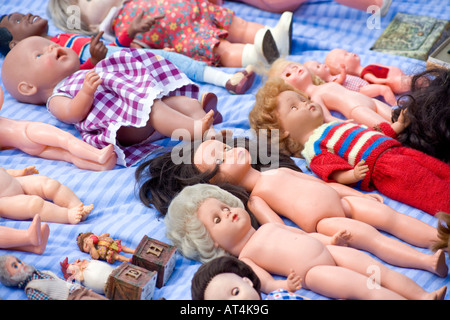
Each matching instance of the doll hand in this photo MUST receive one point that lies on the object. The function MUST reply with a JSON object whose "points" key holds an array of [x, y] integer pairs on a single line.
{"points": [[293, 281], [91, 82], [341, 238], [141, 24], [360, 170], [28, 171], [97, 49]]}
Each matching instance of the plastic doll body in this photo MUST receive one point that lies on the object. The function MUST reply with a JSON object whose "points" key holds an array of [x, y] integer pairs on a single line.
{"points": [[376, 73], [332, 96], [23, 197], [34, 239], [273, 248], [316, 206], [352, 82]]}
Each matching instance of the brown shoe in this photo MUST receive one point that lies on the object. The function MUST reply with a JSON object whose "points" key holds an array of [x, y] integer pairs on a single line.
{"points": [[241, 81], [208, 102]]}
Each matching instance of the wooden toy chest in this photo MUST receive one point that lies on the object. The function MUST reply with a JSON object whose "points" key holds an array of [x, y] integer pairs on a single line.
{"points": [[130, 282], [155, 255]]}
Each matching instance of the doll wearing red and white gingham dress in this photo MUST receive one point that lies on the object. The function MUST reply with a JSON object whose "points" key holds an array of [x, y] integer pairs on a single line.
{"points": [[131, 81]]}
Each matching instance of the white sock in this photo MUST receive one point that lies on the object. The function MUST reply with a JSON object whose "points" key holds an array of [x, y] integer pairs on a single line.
{"points": [[249, 55], [215, 76]]}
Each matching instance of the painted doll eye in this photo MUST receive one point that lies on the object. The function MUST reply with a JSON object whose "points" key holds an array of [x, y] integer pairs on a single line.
{"points": [[235, 291], [216, 220]]}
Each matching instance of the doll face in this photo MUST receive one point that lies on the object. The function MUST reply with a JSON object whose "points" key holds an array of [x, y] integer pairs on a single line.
{"points": [[233, 162], [95, 11], [16, 268], [318, 69], [297, 76], [226, 225], [336, 57], [298, 115], [230, 286], [22, 26]]}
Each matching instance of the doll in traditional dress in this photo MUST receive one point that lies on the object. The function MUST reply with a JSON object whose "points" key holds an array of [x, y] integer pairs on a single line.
{"points": [[196, 28], [126, 100], [309, 202], [16, 27], [204, 224], [350, 154], [26, 195], [376, 73], [332, 96], [351, 82], [103, 247]]}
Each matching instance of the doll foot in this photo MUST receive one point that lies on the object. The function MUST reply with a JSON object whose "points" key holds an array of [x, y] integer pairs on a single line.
{"points": [[79, 213], [438, 294], [206, 125], [105, 154], [34, 231], [439, 266], [45, 232], [282, 33], [208, 102], [241, 81]]}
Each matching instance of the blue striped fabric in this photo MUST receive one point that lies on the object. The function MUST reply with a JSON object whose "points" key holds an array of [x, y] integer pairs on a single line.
{"points": [[319, 26]]}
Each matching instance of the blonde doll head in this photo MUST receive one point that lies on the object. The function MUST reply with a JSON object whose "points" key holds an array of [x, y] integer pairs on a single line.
{"points": [[185, 229], [277, 68], [264, 115]]}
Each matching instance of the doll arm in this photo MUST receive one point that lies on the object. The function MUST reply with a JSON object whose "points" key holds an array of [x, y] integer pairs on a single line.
{"points": [[141, 24], [401, 123], [342, 76], [23, 172], [76, 109], [350, 176], [375, 90], [97, 49], [262, 211], [327, 116]]}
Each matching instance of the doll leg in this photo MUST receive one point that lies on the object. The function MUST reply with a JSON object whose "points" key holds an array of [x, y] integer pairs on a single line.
{"points": [[383, 110], [277, 6], [366, 116], [363, 264], [367, 238]]}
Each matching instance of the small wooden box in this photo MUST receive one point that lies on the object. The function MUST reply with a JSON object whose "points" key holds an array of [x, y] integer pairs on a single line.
{"points": [[130, 282], [440, 58], [155, 255]]}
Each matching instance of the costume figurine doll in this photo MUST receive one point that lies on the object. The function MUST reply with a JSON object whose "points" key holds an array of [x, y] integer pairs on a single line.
{"points": [[41, 285], [309, 202], [125, 100], [332, 96], [196, 28], [46, 141], [351, 82], [205, 224], [16, 27], [351, 154], [228, 278], [33, 240], [103, 247], [374, 73], [25, 196], [427, 113]]}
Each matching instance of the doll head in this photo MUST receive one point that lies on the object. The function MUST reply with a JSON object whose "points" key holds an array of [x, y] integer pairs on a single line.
{"points": [[321, 70], [162, 177], [428, 114], [81, 16], [336, 57], [225, 278], [294, 74], [13, 270], [280, 106], [187, 231], [82, 240], [25, 70], [17, 26]]}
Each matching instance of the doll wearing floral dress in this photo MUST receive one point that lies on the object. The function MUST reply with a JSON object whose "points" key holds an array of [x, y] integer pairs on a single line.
{"points": [[196, 28], [127, 107]]}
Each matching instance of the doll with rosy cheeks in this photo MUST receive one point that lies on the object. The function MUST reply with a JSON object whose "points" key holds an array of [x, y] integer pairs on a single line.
{"points": [[375, 73], [312, 204], [351, 82], [332, 96], [106, 108], [204, 224]]}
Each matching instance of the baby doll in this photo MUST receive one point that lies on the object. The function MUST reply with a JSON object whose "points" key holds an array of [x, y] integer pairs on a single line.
{"points": [[125, 100], [312, 204], [373, 73], [34, 239], [332, 96], [206, 225], [350, 82], [427, 114], [16, 27], [46, 141], [41, 285], [228, 278], [196, 28], [103, 247], [25, 196], [352, 154]]}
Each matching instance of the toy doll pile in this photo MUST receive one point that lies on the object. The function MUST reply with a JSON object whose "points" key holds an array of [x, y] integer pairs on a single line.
{"points": [[319, 26]]}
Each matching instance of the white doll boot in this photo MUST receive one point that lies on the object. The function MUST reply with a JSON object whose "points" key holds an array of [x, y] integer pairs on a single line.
{"points": [[282, 33], [263, 50]]}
